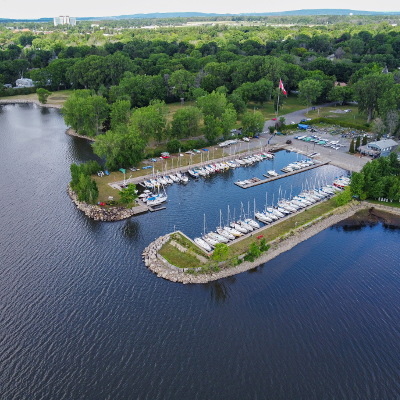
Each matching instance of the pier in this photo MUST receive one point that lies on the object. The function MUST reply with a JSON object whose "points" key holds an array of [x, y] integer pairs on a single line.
{"points": [[256, 182]]}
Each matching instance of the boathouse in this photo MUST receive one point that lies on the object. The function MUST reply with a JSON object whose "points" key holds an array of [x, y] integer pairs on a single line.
{"points": [[381, 148]]}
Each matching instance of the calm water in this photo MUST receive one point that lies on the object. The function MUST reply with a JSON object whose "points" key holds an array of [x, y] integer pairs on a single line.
{"points": [[82, 318]]}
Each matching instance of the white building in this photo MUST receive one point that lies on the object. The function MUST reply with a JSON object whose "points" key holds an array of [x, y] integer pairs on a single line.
{"points": [[64, 20]]}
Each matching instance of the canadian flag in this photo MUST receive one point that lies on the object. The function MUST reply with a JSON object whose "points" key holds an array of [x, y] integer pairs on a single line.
{"points": [[282, 87]]}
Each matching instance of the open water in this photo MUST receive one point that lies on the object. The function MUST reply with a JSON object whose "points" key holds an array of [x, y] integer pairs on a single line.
{"points": [[82, 318]]}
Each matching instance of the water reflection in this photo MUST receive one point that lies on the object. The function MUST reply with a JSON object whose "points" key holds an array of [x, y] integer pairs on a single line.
{"points": [[220, 291], [131, 229]]}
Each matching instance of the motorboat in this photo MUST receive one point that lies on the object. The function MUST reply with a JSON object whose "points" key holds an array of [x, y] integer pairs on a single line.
{"points": [[272, 173]]}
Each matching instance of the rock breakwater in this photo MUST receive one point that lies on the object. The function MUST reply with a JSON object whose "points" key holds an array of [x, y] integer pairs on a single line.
{"points": [[108, 214]]}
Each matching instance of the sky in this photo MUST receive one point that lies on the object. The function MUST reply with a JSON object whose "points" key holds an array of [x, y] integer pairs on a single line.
{"points": [[89, 8]]}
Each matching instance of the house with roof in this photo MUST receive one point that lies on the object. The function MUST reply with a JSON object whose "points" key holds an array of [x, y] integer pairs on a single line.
{"points": [[380, 148]]}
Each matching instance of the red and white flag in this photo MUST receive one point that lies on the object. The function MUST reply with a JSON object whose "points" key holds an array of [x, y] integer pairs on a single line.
{"points": [[282, 87]]}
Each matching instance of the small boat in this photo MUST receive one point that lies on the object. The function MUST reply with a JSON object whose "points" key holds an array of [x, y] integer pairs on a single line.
{"points": [[157, 199], [252, 223], [233, 231], [200, 242], [219, 238], [225, 233], [272, 173], [237, 227], [212, 242], [246, 226], [263, 218]]}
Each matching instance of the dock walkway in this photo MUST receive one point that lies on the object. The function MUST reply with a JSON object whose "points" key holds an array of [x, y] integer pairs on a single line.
{"points": [[285, 175], [185, 168]]}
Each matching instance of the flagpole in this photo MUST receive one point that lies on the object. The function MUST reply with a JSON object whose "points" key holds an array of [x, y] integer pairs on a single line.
{"points": [[277, 104]]}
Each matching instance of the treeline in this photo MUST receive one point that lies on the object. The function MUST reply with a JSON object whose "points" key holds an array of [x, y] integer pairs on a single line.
{"points": [[150, 53], [379, 178], [81, 182]]}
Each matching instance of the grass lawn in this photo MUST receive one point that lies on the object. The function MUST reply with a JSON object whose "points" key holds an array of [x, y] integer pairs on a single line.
{"points": [[272, 232], [328, 112], [174, 107], [180, 259], [288, 105], [177, 258], [55, 99]]}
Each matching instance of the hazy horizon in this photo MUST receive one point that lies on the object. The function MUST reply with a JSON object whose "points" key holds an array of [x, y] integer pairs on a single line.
{"points": [[47, 9]]}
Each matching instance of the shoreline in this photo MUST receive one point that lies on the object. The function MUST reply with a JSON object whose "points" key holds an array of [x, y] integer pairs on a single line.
{"points": [[72, 132], [37, 102], [110, 214], [162, 268]]}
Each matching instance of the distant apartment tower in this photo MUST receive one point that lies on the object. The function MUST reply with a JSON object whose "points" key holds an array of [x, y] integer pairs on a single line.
{"points": [[64, 20]]}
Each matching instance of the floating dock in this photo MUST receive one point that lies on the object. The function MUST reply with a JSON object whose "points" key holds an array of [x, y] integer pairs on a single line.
{"points": [[153, 209], [284, 175]]}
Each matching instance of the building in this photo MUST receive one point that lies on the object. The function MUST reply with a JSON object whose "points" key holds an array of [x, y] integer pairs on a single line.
{"points": [[381, 148], [64, 20], [24, 83]]}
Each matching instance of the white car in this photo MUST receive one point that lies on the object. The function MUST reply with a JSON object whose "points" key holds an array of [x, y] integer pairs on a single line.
{"points": [[246, 139]]}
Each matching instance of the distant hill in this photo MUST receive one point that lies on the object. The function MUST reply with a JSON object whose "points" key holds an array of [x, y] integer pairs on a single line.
{"points": [[308, 12]]}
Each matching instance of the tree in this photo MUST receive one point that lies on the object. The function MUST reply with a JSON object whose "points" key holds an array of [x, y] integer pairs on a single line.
{"points": [[120, 113], [340, 94], [252, 122], [121, 148], [357, 185], [150, 121], [128, 194], [219, 115], [392, 121], [364, 140], [186, 122], [43, 94], [85, 112], [309, 90], [237, 101], [358, 142], [180, 82], [221, 252], [344, 197], [379, 127], [351, 149], [369, 90]]}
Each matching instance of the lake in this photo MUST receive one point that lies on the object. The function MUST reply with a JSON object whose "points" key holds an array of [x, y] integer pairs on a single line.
{"points": [[82, 317]]}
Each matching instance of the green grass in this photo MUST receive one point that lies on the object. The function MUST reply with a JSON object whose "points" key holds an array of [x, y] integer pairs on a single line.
{"points": [[272, 232], [288, 105], [179, 259], [185, 242], [55, 99], [353, 117]]}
